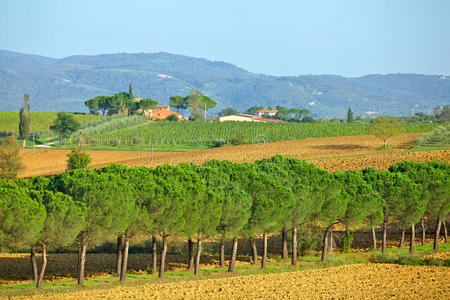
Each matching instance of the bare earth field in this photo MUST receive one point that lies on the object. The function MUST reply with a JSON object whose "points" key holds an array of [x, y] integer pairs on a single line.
{"points": [[335, 153], [363, 281]]}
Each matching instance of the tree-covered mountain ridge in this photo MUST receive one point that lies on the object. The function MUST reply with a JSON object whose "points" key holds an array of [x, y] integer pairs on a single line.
{"points": [[64, 84]]}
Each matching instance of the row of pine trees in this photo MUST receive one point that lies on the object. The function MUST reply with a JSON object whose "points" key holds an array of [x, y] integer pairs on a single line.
{"points": [[218, 199]]}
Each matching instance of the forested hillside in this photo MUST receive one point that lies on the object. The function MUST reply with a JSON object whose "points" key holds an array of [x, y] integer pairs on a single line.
{"points": [[64, 84]]}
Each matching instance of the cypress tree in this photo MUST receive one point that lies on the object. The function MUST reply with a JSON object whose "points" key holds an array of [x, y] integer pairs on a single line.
{"points": [[25, 120], [350, 115]]}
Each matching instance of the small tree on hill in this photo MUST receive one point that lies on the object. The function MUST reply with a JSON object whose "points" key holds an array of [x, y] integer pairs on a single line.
{"points": [[64, 125], [386, 127]]}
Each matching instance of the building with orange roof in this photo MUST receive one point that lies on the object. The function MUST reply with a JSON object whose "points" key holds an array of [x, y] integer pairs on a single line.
{"points": [[268, 112], [162, 112]]}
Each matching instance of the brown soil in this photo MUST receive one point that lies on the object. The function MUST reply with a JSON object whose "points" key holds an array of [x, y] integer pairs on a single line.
{"points": [[371, 281], [336, 153]]}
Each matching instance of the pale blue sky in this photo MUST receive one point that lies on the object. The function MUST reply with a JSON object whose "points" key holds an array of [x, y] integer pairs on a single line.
{"points": [[278, 37]]}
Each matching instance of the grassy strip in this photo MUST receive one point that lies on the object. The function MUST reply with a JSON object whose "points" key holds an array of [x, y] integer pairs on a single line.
{"points": [[399, 256]]}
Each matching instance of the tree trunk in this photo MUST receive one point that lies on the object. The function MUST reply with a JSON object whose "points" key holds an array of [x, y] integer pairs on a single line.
{"points": [[24, 143], [284, 249], [123, 270], [264, 257], [374, 239], [383, 243], [44, 265], [80, 275], [436, 235], [254, 251], [222, 252], [190, 254], [422, 223], [119, 254], [413, 236], [325, 244], [402, 239], [154, 254], [445, 231], [197, 256], [233, 255], [163, 256], [34, 264], [294, 246]]}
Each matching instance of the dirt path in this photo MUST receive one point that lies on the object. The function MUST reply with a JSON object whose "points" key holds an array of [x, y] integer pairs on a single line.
{"points": [[336, 153], [372, 281]]}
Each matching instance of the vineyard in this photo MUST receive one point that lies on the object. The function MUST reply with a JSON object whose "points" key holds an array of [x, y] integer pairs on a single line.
{"points": [[210, 133]]}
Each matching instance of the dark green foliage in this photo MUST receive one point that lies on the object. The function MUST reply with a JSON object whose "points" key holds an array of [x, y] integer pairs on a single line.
{"points": [[363, 201], [78, 159], [21, 217], [177, 102], [435, 181], [228, 111], [147, 103], [64, 125], [64, 221], [172, 118], [219, 198]]}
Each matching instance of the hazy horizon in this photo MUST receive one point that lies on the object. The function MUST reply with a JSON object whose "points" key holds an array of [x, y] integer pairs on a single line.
{"points": [[349, 38]]}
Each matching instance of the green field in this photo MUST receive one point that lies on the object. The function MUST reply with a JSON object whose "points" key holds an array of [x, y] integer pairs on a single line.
{"points": [[9, 120], [201, 133]]}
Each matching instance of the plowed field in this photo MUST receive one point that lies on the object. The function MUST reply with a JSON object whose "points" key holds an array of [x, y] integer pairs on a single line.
{"points": [[336, 153], [372, 281]]}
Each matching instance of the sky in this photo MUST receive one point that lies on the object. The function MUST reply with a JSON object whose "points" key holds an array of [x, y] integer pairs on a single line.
{"points": [[278, 37]]}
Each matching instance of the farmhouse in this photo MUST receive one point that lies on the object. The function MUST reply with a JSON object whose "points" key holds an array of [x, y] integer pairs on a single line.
{"points": [[239, 117], [162, 112], [262, 112]]}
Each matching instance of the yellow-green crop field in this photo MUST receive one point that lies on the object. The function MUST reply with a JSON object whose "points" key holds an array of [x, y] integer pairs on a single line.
{"points": [[9, 120]]}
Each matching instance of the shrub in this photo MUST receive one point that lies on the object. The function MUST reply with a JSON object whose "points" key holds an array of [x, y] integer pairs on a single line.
{"points": [[78, 159]]}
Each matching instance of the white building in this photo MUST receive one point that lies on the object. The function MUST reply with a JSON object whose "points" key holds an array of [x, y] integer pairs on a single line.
{"points": [[239, 118]]}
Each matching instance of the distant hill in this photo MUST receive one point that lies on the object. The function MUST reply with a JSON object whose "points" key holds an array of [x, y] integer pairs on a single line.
{"points": [[64, 84]]}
